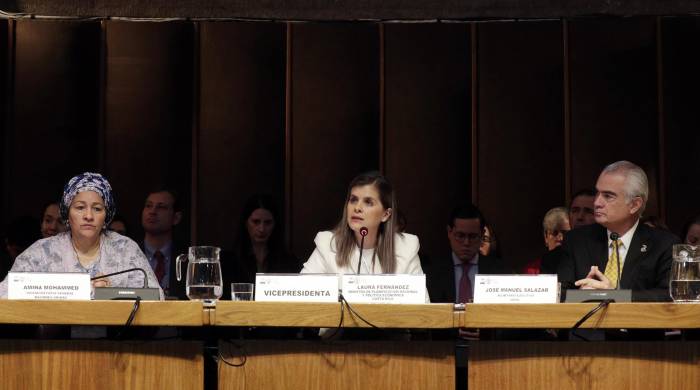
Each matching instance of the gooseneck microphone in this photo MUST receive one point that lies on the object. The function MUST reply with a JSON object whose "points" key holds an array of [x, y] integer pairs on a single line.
{"points": [[145, 277], [363, 233], [614, 237]]}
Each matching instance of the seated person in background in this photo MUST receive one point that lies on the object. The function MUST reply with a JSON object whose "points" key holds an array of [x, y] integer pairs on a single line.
{"points": [[87, 207], [51, 223], [581, 208], [369, 204], [259, 247], [489, 243], [588, 258], [451, 277], [21, 233], [118, 225], [161, 213], [554, 225], [691, 231]]}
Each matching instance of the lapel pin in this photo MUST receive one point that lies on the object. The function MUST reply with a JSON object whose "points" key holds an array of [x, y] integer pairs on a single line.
{"points": [[644, 248]]}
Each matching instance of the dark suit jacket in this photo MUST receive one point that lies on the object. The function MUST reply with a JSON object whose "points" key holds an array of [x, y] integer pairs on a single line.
{"points": [[440, 276], [647, 265], [176, 289]]}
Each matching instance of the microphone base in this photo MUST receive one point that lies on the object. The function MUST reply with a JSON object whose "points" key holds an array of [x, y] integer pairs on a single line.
{"points": [[110, 293], [578, 296]]}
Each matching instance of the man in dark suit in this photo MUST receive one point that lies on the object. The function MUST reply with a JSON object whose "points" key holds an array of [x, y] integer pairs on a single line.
{"points": [[617, 247], [451, 278], [161, 214]]}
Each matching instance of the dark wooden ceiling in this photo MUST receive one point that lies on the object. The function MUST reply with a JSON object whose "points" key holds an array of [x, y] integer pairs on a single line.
{"points": [[351, 10]]}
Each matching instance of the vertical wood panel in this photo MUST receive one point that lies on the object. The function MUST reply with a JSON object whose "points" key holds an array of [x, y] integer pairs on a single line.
{"points": [[6, 56], [681, 61], [241, 145], [148, 112], [428, 116], [335, 103], [613, 98], [54, 107], [521, 131]]}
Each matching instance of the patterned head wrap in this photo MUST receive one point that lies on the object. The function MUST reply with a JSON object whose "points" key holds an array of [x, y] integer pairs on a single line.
{"points": [[88, 182]]}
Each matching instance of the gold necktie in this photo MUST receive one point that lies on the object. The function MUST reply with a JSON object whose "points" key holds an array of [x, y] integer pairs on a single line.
{"points": [[613, 262]]}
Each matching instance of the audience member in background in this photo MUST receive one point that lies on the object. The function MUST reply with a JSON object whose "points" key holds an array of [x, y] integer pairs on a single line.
{"points": [[691, 231], [51, 223], [554, 225], [489, 243], [369, 204], [119, 225], [642, 261], [259, 246], [87, 206], [161, 213], [21, 233], [655, 222], [581, 208], [451, 278]]}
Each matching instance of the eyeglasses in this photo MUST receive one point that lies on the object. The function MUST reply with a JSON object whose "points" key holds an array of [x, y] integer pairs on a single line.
{"points": [[556, 233], [461, 237]]}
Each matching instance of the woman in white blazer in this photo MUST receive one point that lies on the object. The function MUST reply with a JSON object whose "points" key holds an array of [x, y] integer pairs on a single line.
{"points": [[369, 207]]}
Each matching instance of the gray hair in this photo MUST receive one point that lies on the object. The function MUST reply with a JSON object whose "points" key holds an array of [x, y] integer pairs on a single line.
{"points": [[554, 218], [636, 182]]}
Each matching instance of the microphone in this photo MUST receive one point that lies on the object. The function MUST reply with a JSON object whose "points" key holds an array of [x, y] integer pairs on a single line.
{"points": [[143, 293], [614, 236], [145, 277], [363, 233]]}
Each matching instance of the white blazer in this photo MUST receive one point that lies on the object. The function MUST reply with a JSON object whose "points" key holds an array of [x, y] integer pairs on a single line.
{"points": [[322, 260]]}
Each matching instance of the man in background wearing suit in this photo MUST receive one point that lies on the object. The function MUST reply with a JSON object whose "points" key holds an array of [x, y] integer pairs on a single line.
{"points": [[451, 279], [590, 258], [161, 213]]}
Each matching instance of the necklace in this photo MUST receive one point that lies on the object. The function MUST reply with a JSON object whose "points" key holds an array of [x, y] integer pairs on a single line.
{"points": [[91, 264]]}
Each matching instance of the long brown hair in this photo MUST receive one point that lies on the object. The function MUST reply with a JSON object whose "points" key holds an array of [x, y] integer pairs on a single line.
{"points": [[344, 236]]}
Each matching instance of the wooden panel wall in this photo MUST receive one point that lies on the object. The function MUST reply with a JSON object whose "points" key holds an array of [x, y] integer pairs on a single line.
{"points": [[54, 108], [241, 134], [681, 125], [520, 131], [225, 109], [427, 119], [5, 124], [148, 111], [334, 121], [613, 98]]}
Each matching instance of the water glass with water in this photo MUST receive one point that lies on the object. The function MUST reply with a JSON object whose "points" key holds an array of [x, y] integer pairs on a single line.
{"points": [[241, 291]]}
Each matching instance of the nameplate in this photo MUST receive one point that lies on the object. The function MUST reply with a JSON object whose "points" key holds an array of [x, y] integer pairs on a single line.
{"points": [[73, 286], [296, 287], [385, 288], [515, 289]]}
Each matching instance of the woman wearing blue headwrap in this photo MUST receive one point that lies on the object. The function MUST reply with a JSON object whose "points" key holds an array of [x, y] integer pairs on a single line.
{"points": [[87, 207]]}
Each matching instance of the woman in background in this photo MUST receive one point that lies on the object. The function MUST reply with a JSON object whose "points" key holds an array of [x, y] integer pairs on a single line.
{"points": [[51, 222], [259, 247], [554, 225]]}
